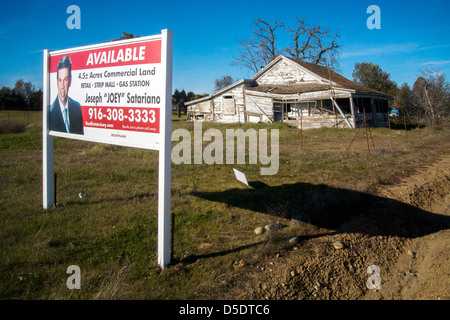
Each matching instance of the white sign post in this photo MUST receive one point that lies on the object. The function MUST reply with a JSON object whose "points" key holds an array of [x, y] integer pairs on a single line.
{"points": [[47, 142], [164, 174], [118, 93]]}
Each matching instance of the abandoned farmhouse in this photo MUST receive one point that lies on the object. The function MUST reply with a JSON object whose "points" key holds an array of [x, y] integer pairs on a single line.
{"points": [[296, 92]]}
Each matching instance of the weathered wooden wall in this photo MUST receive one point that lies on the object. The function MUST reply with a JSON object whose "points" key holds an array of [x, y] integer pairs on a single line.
{"points": [[285, 73], [322, 121]]}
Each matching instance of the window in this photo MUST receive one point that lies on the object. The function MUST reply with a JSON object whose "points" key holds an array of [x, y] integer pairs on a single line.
{"points": [[228, 105]]}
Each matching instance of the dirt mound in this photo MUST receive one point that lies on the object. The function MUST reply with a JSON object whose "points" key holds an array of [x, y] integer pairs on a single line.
{"points": [[403, 235], [423, 272], [425, 188]]}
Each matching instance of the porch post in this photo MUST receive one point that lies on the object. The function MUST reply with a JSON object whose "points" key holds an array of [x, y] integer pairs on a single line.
{"points": [[352, 108]]}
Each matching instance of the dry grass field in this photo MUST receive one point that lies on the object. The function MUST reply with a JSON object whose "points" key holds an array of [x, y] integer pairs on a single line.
{"points": [[111, 233]]}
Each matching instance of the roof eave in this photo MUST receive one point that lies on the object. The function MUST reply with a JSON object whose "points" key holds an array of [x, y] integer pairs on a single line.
{"points": [[216, 93]]}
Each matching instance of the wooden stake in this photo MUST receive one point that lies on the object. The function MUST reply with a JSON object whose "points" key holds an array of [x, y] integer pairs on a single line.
{"points": [[371, 138], [301, 130], [367, 137], [418, 126], [390, 135], [55, 181], [172, 237], [364, 121], [406, 131]]}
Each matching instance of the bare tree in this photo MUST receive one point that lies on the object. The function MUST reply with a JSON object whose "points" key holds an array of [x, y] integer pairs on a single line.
{"points": [[126, 35], [315, 44], [432, 94], [248, 57], [261, 48], [266, 38], [223, 82], [311, 43]]}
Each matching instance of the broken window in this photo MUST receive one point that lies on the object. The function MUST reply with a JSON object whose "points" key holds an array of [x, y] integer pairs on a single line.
{"points": [[344, 104], [362, 104]]}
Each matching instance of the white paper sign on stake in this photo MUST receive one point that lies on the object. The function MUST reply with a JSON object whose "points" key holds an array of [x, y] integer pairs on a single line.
{"points": [[240, 176]]}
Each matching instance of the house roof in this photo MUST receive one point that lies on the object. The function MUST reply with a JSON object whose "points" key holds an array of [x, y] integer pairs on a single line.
{"points": [[326, 74], [245, 82], [291, 89], [339, 80]]}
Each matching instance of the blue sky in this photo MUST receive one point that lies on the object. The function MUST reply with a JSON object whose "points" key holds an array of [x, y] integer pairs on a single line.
{"points": [[414, 35]]}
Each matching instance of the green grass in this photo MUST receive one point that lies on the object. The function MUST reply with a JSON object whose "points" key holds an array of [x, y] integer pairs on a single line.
{"points": [[111, 234]]}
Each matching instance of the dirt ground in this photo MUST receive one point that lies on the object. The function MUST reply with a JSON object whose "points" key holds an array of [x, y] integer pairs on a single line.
{"points": [[422, 273], [404, 232]]}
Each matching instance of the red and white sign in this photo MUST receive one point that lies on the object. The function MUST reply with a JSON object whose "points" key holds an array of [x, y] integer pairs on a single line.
{"points": [[117, 93], [119, 88], [130, 54]]}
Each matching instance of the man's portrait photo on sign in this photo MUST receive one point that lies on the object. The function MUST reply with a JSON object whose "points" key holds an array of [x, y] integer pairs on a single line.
{"points": [[65, 113]]}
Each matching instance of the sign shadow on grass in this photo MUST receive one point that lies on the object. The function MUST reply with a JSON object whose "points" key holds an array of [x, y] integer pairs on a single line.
{"points": [[335, 209]]}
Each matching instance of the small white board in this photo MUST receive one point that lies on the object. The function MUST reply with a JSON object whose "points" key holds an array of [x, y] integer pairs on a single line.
{"points": [[240, 176]]}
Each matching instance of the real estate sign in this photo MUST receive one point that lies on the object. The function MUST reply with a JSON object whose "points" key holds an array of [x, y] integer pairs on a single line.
{"points": [[118, 93], [113, 92]]}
